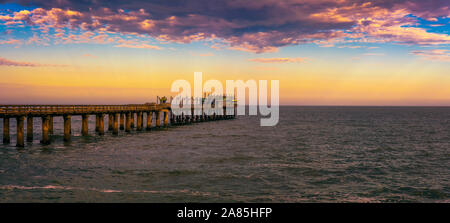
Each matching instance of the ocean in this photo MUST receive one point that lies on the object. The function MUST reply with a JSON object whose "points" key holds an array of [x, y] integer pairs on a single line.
{"points": [[314, 154]]}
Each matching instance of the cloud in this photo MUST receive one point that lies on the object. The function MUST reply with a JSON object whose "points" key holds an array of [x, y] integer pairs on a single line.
{"points": [[351, 47], [10, 42], [279, 60], [89, 55], [140, 46], [373, 54], [6, 62], [202, 54], [251, 26], [435, 55]]}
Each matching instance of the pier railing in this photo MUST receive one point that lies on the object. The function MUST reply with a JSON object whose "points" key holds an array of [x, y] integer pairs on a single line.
{"points": [[40, 110]]}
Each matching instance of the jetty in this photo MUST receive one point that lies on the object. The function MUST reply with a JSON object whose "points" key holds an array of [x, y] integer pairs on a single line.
{"points": [[120, 117]]}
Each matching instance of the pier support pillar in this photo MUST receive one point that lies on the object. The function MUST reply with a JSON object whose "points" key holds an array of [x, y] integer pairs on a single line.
{"points": [[172, 119], [202, 118], [128, 122], [110, 122], [84, 125], [166, 118], [97, 123], [149, 120], [139, 121], [6, 136], [224, 116], [20, 131], [45, 130], [132, 120], [67, 127], [50, 126], [116, 124], [29, 129], [101, 127], [122, 121], [158, 119]]}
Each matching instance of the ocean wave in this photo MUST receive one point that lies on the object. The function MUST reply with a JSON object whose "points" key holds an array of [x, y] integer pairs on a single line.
{"points": [[69, 188]]}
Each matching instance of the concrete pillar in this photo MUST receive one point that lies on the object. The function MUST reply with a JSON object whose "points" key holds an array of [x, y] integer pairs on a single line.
{"points": [[172, 119], [101, 127], [128, 122], [166, 118], [139, 121], [142, 120], [203, 114], [50, 126], [29, 129], [158, 119], [67, 127], [224, 112], [149, 120], [6, 136], [84, 125], [122, 121], [132, 120], [97, 123], [45, 129], [20, 131], [116, 124], [110, 122]]}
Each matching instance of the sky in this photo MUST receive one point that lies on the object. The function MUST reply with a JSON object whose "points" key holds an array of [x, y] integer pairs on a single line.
{"points": [[323, 52]]}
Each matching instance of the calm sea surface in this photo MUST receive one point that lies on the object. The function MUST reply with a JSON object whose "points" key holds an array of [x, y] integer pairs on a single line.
{"points": [[314, 154]]}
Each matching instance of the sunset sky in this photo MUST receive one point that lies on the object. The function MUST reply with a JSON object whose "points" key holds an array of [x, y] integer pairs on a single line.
{"points": [[324, 52]]}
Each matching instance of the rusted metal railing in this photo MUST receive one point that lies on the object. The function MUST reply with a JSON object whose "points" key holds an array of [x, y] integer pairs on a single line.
{"points": [[39, 110]]}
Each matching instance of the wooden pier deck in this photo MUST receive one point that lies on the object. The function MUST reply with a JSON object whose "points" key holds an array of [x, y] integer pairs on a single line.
{"points": [[120, 117]]}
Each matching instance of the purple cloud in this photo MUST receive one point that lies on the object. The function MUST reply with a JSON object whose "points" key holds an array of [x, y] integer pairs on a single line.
{"points": [[254, 26]]}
